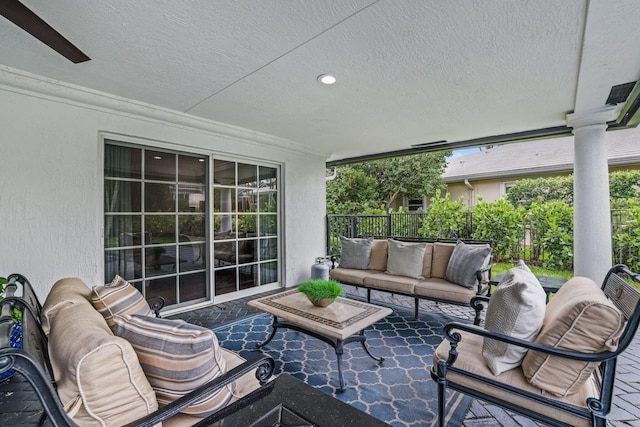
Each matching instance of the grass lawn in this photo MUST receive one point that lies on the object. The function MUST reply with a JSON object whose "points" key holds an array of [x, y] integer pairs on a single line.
{"points": [[502, 267]]}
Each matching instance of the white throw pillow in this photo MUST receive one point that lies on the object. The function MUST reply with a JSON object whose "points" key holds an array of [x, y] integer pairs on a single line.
{"points": [[405, 258], [516, 308]]}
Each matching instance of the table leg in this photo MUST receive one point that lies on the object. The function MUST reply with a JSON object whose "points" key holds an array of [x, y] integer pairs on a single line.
{"points": [[274, 328], [339, 351], [364, 345]]}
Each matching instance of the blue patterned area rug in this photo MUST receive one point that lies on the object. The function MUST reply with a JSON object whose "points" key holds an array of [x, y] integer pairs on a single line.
{"points": [[400, 391]]}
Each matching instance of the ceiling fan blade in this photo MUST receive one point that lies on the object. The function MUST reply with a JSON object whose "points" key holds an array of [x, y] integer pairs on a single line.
{"points": [[24, 18]]}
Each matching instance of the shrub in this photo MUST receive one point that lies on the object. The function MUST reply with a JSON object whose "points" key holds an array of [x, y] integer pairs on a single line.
{"points": [[501, 222], [445, 218]]}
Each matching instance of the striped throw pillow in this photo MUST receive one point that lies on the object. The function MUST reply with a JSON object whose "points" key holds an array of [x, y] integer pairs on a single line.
{"points": [[119, 297], [177, 357]]}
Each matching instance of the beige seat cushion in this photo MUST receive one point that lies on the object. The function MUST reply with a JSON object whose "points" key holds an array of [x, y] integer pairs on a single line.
{"points": [[352, 276], [443, 289], [470, 359], [65, 292], [578, 318], [441, 254], [379, 252], [390, 282], [428, 259], [99, 378]]}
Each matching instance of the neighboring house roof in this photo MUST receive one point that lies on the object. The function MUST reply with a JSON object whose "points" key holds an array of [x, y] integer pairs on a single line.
{"points": [[536, 157]]}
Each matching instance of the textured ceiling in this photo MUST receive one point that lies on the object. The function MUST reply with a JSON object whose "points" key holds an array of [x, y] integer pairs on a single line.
{"points": [[409, 72]]}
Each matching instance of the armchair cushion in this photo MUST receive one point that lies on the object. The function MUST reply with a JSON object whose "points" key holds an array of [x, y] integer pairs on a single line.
{"points": [[405, 258], [578, 318], [177, 357], [516, 308], [355, 253], [119, 297], [465, 260]]}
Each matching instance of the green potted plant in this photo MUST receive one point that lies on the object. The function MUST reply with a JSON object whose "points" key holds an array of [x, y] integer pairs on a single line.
{"points": [[321, 293]]}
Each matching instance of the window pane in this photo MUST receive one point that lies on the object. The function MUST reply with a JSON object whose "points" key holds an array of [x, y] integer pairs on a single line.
{"points": [[268, 249], [247, 223], [193, 286], [268, 225], [225, 281], [122, 196], [224, 172], [247, 175], [160, 260], [191, 228], [224, 253], [246, 251], [161, 228], [124, 263], [192, 257], [159, 197], [164, 287], [192, 169], [120, 229], [122, 162], [248, 276], [268, 273], [223, 225], [268, 200], [247, 201], [191, 198], [268, 177], [224, 200], [159, 166]]}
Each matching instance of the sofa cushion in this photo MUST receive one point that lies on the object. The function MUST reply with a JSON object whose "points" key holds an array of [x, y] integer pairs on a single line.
{"points": [[441, 254], [405, 258], [119, 297], [465, 260], [351, 276], [401, 284], [98, 376], [443, 290], [177, 357], [428, 259], [379, 253], [355, 253], [65, 292], [580, 318], [516, 308]]}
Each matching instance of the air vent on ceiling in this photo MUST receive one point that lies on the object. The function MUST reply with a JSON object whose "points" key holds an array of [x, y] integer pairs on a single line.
{"points": [[620, 93]]}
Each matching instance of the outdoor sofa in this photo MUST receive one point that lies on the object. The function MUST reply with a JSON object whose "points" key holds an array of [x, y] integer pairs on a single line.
{"points": [[445, 271], [100, 357]]}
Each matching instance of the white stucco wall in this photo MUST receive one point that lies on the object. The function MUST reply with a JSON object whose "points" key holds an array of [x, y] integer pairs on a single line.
{"points": [[51, 173]]}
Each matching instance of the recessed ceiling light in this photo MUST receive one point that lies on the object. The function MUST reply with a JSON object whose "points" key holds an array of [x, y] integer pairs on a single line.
{"points": [[201, 160], [157, 157], [327, 79]]}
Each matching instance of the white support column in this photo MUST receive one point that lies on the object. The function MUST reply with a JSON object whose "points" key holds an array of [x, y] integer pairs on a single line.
{"points": [[592, 250]]}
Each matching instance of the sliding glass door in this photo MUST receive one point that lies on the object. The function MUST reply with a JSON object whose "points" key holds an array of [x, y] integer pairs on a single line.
{"points": [[160, 235]]}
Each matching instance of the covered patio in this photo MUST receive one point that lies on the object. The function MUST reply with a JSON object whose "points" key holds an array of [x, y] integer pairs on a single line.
{"points": [[237, 85]]}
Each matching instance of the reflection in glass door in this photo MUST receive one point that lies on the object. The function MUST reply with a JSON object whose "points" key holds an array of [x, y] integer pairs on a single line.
{"points": [[155, 221], [245, 225]]}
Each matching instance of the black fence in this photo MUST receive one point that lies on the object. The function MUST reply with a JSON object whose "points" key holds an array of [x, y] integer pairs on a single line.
{"points": [[530, 246]]}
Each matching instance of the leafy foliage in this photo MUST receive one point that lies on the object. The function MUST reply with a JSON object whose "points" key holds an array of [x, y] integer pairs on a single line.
{"points": [[501, 222], [552, 224], [445, 218], [626, 235], [370, 185]]}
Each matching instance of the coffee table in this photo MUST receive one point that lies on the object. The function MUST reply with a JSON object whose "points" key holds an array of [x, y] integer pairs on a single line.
{"points": [[341, 323]]}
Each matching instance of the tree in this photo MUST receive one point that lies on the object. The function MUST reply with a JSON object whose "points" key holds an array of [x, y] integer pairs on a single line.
{"points": [[382, 182]]}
